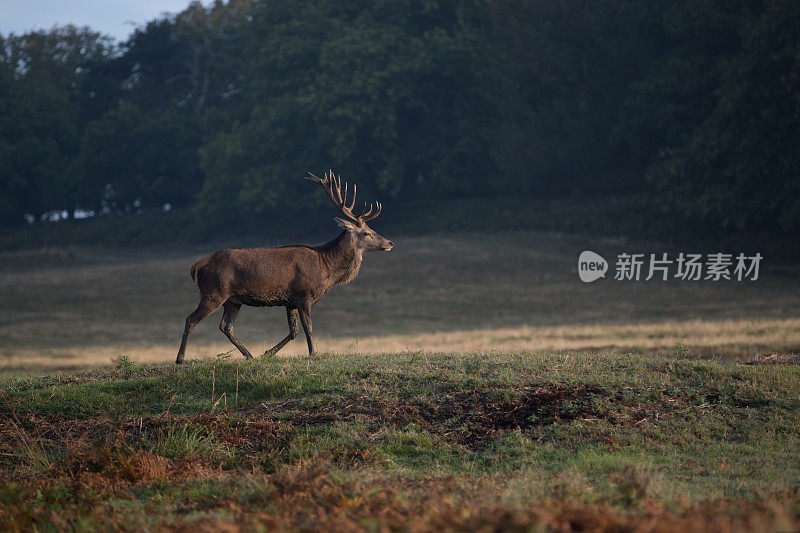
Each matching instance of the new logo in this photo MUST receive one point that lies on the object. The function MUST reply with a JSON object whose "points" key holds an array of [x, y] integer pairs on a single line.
{"points": [[591, 266]]}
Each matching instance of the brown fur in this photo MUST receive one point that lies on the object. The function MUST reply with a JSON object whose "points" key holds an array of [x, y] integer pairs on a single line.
{"points": [[295, 277], [193, 270]]}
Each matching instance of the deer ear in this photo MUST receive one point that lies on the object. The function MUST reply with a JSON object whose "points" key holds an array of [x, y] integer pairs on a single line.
{"points": [[345, 224]]}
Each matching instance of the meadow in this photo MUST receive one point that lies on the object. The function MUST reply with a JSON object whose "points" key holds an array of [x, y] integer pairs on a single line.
{"points": [[466, 382], [77, 307]]}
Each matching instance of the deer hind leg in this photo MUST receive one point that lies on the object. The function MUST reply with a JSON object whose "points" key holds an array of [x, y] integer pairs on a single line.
{"points": [[226, 326], [204, 308], [291, 315], [305, 319]]}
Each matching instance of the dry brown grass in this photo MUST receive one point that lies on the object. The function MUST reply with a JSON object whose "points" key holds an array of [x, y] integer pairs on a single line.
{"points": [[106, 467], [306, 497], [66, 308]]}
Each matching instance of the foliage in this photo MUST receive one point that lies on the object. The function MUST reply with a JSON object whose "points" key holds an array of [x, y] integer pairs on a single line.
{"points": [[40, 80], [163, 169], [391, 92], [745, 157], [228, 105], [721, 115]]}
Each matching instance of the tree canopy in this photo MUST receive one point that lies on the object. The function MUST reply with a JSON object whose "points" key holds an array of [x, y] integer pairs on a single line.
{"points": [[694, 102]]}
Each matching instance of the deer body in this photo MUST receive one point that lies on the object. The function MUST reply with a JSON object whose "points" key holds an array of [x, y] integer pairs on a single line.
{"points": [[295, 277], [269, 277]]}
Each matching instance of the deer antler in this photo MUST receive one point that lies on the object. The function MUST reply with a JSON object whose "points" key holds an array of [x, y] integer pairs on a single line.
{"points": [[333, 187]]}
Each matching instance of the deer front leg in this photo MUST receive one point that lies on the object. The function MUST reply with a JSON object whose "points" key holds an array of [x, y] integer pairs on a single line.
{"points": [[305, 319], [291, 315]]}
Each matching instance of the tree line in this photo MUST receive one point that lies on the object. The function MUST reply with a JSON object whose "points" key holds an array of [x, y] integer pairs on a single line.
{"points": [[220, 109]]}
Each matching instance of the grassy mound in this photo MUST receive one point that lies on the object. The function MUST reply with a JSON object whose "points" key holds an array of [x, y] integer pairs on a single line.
{"points": [[422, 442]]}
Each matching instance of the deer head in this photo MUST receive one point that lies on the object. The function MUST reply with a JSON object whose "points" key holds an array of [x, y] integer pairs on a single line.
{"points": [[365, 237]]}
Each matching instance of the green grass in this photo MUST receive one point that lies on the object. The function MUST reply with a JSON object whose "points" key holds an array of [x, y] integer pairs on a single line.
{"points": [[384, 438]]}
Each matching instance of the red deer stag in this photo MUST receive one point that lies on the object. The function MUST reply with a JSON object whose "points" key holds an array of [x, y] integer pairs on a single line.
{"points": [[295, 277]]}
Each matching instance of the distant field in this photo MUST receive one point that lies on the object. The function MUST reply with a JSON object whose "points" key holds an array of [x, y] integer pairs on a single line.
{"points": [[68, 308]]}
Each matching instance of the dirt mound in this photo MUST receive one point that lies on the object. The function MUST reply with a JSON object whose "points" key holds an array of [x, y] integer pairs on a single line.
{"points": [[469, 417]]}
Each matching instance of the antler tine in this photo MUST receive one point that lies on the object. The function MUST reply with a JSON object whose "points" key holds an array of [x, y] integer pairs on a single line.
{"points": [[363, 215], [339, 190], [353, 203], [326, 185], [370, 215], [333, 188], [312, 177]]}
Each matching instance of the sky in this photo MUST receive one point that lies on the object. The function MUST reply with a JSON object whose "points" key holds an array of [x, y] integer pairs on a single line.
{"points": [[117, 18]]}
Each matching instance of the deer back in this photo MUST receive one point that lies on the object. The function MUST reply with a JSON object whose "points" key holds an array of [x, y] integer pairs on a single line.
{"points": [[264, 276]]}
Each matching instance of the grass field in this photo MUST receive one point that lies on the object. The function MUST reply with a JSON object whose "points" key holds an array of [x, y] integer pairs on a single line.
{"points": [[78, 307], [420, 442], [468, 382]]}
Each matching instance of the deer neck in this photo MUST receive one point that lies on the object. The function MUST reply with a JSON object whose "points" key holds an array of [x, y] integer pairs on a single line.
{"points": [[342, 257]]}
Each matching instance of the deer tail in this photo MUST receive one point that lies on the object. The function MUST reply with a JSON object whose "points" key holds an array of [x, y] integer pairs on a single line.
{"points": [[193, 271]]}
